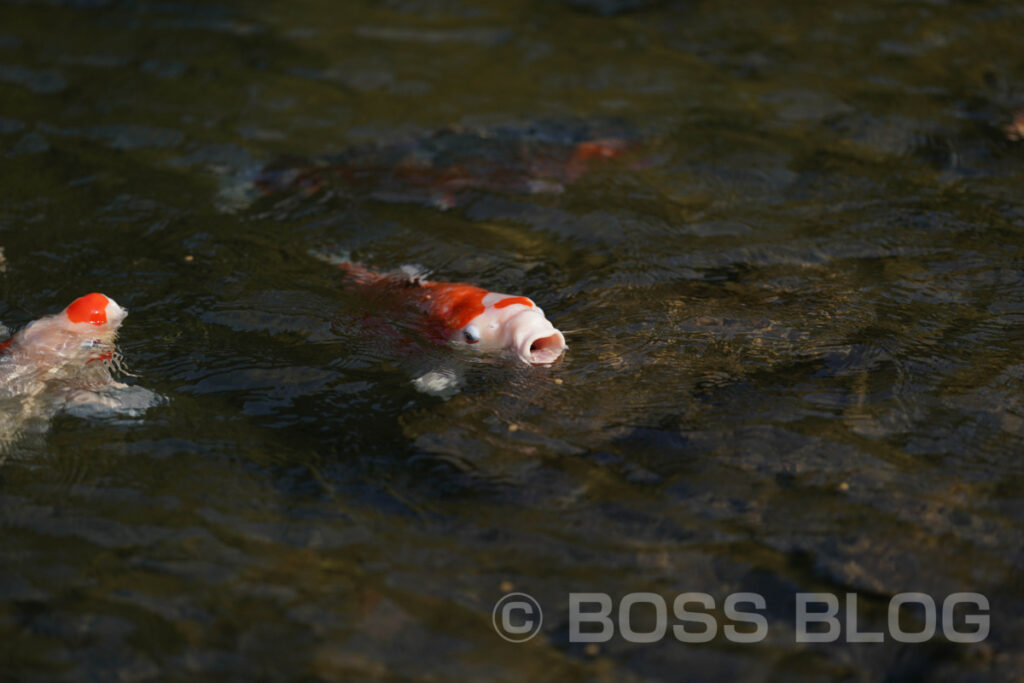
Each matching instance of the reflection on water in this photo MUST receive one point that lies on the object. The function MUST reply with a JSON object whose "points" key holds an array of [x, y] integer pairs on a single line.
{"points": [[794, 353]]}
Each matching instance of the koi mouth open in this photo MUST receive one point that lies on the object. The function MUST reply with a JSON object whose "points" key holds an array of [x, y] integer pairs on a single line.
{"points": [[544, 350]]}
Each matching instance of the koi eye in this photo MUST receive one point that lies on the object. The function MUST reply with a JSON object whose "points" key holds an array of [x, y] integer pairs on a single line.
{"points": [[471, 334]]}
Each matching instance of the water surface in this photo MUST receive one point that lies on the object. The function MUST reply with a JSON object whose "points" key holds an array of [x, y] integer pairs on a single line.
{"points": [[798, 364]]}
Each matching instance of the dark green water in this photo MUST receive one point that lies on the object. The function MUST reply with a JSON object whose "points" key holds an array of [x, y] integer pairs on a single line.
{"points": [[800, 364]]}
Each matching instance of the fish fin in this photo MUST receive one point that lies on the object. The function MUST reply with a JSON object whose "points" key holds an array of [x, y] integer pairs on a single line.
{"points": [[414, 273], [443, 382], [116, 400]]}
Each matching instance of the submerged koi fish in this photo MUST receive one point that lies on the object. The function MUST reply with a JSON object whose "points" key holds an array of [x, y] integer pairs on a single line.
{"points": [[63, 361], [459, 313], [445, 168], [1015, 129]]}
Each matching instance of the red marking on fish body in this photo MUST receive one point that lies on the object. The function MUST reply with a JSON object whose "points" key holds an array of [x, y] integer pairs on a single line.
{"points": [[455, 304], [91, 308], [449, 306], [598, 149], [6, 344], [585, 152], [1015, 130], [512, 300]]}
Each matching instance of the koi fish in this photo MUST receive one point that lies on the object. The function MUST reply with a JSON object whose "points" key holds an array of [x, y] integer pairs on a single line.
{"points": [[62, 361], [445, 168], [87, 323], [1015, 129], [466, 315]]}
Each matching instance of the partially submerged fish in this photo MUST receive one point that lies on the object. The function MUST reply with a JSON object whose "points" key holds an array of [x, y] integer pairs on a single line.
{"points": [[62, 361], [465, 315], [72, 336], [443, 169]]}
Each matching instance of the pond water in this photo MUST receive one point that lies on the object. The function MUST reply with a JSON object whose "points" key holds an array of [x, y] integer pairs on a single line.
{"points": [[795, 320]]}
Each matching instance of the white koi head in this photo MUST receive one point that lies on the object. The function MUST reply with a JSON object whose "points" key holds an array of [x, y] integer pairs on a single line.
{"points": [[64, 361], [517, 324], [97, 310], [87, 324]]}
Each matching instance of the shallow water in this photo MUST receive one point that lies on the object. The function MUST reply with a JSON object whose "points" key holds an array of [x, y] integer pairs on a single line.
{"points": [[798, 361]]}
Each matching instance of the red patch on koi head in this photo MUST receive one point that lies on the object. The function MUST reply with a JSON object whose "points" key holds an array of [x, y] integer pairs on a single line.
{"points": [[456, 304], [512, 300], [91, 308]]}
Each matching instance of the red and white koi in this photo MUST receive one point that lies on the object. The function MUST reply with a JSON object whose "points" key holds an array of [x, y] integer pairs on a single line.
{"points": [[62, 362], [469, 316], [81, 333]]}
